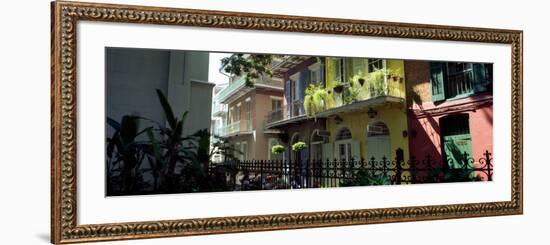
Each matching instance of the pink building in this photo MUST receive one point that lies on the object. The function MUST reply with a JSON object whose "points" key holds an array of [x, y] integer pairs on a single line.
{"points": [[450, 112]]}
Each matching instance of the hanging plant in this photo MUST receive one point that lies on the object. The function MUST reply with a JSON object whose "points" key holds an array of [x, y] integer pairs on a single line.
{"points": [[298, 146], [316, 100], [277, 149], [338, 87]]}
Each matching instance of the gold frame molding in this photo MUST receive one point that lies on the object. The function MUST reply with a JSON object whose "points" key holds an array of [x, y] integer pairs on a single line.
{"points": [[65, 16]]}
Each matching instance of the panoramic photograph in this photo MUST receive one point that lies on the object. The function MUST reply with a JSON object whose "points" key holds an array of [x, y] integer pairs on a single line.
{"points": [[183, 121]]}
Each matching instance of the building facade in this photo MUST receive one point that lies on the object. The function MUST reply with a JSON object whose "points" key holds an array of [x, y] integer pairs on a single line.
{"points": [[243, 125], [219, 118], [298, 72], [366, 114], [362, 108], [450, 108]]}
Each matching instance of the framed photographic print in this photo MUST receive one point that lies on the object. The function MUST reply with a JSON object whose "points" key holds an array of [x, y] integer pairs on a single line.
{"points": [[175, 122]]}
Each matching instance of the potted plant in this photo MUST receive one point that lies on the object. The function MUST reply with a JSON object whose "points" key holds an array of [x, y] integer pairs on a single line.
{"points": [[394, 75], [298, 146], [277, 149], [338, 86]]}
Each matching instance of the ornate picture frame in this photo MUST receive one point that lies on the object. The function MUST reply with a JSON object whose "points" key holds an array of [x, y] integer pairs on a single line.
{"points": [[66, 15]]}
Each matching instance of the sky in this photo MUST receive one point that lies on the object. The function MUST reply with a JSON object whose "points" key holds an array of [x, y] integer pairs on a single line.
{"points": [[214, 75]]}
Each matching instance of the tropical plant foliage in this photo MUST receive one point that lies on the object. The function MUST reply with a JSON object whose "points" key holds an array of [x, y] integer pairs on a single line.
{"points": [[316, 99], [251, 66], [172, 161], [364, 177]]}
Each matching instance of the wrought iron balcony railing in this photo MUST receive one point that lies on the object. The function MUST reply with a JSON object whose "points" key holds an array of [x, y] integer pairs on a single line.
{"points": [[240, 86], [234, 128], [219, 109], [274, 116]]}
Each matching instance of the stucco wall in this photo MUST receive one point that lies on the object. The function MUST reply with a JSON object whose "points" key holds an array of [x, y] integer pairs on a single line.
{"points": [[260, 105], [133, 75], [424, 116], [392, 115]]}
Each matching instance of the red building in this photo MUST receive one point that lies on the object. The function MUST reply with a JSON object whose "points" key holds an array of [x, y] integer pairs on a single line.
{"points": [[450, 111]]}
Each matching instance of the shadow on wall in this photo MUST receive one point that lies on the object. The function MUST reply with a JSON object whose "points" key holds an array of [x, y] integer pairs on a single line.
{"points": [[425, 138]]}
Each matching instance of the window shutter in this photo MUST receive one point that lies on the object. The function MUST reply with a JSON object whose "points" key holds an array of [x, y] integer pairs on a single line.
{"points": [[327, 152], [355, 150], [437, 79], [288, 98], [481, 81], [302, 85]]}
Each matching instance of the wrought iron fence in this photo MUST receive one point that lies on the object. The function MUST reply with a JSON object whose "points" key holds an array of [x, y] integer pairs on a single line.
{"points": [[280, 174]]}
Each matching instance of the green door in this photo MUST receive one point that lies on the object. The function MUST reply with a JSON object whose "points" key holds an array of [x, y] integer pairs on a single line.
{"points": [[457, 142], [456, 146]]}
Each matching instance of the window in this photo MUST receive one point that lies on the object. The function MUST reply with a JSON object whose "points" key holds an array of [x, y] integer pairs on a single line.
{"points": [[459, 79], [343, 134], [295, 79], [276, 104], [339, 70], [455, 80], [378, 129], [375, 64], [238, 113], [315, 73], [343, 142], [247, 113], [359, 66]]}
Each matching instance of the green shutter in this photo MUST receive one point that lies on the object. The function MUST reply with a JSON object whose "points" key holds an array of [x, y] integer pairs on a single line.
{"points": [[327, 152], [455, 148], [437, 79], [457, 140], [481, 81]]}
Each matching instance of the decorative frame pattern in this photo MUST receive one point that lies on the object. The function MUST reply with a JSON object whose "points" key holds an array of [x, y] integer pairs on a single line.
{"points": [[65, 15]]}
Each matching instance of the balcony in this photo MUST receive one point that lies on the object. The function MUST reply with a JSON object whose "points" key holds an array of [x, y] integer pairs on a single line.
{"points": [[297, 108], [368, 95], [234, 128], [281, 117], [274, 116], [239, 88], [218, 109]]}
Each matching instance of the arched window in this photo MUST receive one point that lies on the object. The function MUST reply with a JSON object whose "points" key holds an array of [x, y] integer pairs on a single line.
{"points": [[343, 134], [377, 129]]}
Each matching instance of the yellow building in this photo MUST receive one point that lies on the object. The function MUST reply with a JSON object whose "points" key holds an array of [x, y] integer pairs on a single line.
{"points": [[365, 109]]}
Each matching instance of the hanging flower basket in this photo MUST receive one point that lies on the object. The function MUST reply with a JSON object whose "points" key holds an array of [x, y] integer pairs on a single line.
{"points": [[277, 149], [361, 81], [338, 88], [298, 146]]}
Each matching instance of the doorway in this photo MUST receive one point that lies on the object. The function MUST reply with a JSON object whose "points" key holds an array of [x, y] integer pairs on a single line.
{"points": [[378, 141]]}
